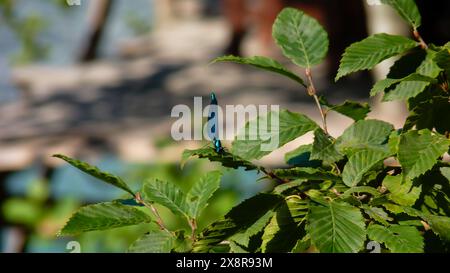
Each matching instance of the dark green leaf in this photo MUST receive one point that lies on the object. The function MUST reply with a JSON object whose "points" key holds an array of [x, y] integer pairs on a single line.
{"points": [[239, 218], [324, 148]]}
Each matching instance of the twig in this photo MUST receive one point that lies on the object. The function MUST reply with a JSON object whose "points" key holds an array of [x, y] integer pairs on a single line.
{"points": [[416, 34], [155, 212], [311, 89], [193, 225]]}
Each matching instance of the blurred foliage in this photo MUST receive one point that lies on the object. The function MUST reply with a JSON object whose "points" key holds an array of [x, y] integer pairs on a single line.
{"points": [[42, 215]]}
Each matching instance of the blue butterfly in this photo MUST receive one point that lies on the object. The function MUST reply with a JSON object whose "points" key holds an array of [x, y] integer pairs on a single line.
{"points": [[213, 124]]}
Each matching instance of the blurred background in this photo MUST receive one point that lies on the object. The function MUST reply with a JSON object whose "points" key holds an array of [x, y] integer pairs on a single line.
{"points": [[97, 81]]}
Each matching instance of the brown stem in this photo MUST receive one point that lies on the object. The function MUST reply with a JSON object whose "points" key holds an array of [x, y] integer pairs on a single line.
{"points": [[193, 224], [422, 43], [312, 92], [273, 176], [155, 212]]}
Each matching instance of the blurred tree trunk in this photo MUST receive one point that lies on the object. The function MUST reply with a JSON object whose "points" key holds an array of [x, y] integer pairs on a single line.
{"points": [[98, 17]]}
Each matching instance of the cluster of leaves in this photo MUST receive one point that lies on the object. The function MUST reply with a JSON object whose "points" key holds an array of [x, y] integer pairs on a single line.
{"points": [[372, 183]]}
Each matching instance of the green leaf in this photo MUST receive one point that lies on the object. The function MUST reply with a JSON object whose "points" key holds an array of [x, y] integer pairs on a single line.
{"points": [[336, 227], [299, 156], [351, 109], [283, 231], [202, 191], [442, 59], [445, 172], [262, 63], [166, 194], [360, 189], [243, 238], [95, 172], [360, 163], [371, 51], [388, 82], [411, 88], [227, 159], [302, 245], [427, 110], [301, 38], [418, 151], [401, 192], [306, 173], [253, 143], [103, 216], [324, 148], [397, 238], [439, 224], [407, 9], [289, 185], [378, 214], [364, 134], [238, 219], [154, 242]]}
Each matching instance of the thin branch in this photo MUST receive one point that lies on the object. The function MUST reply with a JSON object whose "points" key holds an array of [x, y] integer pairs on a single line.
{"points": [[422, 43], [155, 212], [193, 225], [312, 92]]}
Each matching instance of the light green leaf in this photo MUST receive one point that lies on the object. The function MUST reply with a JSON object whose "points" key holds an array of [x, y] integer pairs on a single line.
{"points": [[306, 173], [361, 189], [418, 151], [283, 230], [263, 63], [302, 245], [401, 192], [364, 134], [227, 159], [439, 224], [154, 242], [360, 163], [243, 238], [388, 82], [289, 185], [397, 238], [407, 9], [301, 38], [103, 216], [95, 172], [445, 171], [324, 148], [336, 227], [166, 194], [238, 219], [371, 51], [202, 191], [253, 142]]}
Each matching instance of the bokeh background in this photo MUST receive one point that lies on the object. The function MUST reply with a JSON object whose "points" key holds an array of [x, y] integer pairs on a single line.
{"points": [[97, 81]]}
